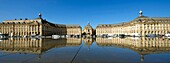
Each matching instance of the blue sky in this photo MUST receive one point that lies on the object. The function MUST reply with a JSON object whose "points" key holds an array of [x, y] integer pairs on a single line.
{"points": [[83, 11]]}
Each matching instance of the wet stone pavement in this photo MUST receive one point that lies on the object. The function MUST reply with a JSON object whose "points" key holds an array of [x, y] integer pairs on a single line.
{"points": [[84, 50]]}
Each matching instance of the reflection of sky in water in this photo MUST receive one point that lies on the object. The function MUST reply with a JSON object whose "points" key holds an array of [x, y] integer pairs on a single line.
{"points": [[76, 50]]}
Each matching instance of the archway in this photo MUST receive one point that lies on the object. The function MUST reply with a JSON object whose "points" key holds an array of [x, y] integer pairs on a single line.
{"points": [[152, 32], [84, 33]]}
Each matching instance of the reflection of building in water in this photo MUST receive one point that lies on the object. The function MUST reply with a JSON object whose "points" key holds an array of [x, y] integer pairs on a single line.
{"points": [[88, 41], [142, 46], [21, 45], [27, 45], [73, 41], [136, 42]]}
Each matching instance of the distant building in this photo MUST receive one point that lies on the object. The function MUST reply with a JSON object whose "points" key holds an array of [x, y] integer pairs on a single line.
{"points": [[102, 29], [38, 26], [141, 26], [73, 30], [88, 30]]}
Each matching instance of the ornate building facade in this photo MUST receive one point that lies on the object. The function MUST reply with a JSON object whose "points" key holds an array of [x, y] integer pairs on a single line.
{"points": [[36, 26], [88, 30], [141, 26]]}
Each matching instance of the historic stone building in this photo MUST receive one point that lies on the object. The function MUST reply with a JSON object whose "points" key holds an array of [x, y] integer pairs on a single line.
{"points": [[38, 26], [88, 30], [102, 29], [73, 30], [140, 26], [60, 29]]}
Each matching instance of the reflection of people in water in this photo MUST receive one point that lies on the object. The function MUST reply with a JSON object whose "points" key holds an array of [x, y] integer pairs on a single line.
{"points": [[141, 57], [39, 56]]}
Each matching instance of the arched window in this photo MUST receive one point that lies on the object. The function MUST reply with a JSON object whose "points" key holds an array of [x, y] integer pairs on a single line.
{"points": [[158, 32], [152, 32]]}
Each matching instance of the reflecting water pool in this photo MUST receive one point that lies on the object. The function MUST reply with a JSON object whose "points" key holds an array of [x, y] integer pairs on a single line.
{"points": [[84, 50]]}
